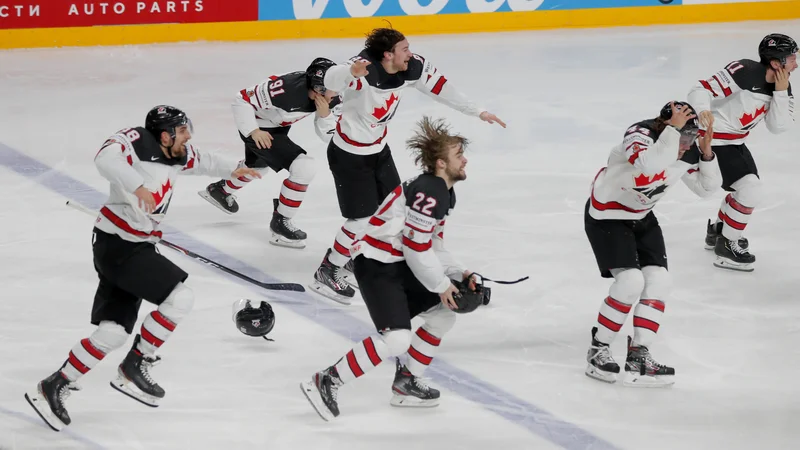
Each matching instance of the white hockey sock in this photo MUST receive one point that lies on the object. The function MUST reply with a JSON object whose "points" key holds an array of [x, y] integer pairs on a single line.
{"points": [[734, 217], [291, 197], [362, 358], [156, 329], [82, 358], [610, 319], [340, 252], [421, 352], [646, 320]]}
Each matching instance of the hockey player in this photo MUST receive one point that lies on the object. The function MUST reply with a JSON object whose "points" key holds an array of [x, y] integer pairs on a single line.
{"points": [[264, 115], [372, 85], [738, 98], [627, 240], [142, 165], [404, 271]]}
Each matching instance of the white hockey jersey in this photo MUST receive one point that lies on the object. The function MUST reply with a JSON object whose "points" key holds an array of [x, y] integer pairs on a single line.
{"points": [[370, 102], [409, 226], [279, 102], [132, 158], [740, 98], [642, 168]]}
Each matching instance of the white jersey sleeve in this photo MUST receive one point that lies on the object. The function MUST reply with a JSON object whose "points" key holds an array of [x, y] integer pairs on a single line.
{"points": [[115, 163], [781, 112], [651, 157], [208, 163], [705, 180], [436, 86]]}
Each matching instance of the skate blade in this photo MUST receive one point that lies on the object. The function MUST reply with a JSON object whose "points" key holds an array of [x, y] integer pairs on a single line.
{"points": [[126, 387], [724, 263], [325, 291], [647, 381], [211, 200], [709, 247], [409, 401], [600, 375], [281, 241], [350, 278], [42, 408], [312, 394]]}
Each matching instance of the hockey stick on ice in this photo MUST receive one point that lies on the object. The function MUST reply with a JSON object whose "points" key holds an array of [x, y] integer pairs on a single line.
{"points": [[191, 254]]}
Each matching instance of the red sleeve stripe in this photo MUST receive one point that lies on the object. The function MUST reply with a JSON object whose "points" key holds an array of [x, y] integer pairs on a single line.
{"points": [[725, 90], [705, 84], [348, 233], [437, 88], [417, 247], [634, 156], [246, 98], [419, 229], [359, 85], [634, 143], [691, 171], [441, 235], [376, 221]]}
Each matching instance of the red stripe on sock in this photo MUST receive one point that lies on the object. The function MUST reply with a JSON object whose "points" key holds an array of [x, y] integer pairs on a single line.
{"points": [[76, 363], [369, 346], [423, 359], [340, 248], [641, 322], [163, 321], [295, 186], [608, 323], [619, 306], [427, 337], [353, 363], [91, 349], [148, 336], [290, 203], [656, 304], [737, 206]]}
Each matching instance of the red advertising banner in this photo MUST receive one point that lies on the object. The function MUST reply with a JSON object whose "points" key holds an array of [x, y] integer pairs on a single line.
{"points": [[70, 13]]}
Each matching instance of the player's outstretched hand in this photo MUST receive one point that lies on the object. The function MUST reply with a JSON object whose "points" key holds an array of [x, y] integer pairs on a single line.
{"points": [[245, 171], [359, 68], [146, 200], [706, 119], [486, 116], [447, 297]]}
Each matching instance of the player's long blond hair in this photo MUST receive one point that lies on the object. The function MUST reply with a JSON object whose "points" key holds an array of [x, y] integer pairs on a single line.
{"points": [[431, 142]]}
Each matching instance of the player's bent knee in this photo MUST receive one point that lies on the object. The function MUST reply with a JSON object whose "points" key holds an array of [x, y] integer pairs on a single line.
{"points": [[397, 341], [439, 320], [657, 283], [628, 285], [108, 336], [303, 169], [749, 191], [178, 304]]}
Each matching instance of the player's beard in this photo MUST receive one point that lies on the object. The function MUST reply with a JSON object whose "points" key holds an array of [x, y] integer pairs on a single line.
{"points": [[178, 150], [457, 173]]}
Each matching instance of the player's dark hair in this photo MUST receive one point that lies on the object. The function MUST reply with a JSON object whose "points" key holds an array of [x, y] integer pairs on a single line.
{"points": [[382, 40], [432, 141]]}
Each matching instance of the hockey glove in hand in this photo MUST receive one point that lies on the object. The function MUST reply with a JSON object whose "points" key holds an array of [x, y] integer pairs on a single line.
{"points": [[468, 299]]}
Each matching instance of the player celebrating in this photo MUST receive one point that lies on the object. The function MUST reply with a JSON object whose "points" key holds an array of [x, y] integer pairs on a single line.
{"points": [[737, 98], [372, 85], [141, 164], [627, 240], [264, 115], [403, 271]]}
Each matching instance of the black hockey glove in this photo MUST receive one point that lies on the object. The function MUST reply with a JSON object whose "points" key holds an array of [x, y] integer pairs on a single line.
{"points": [[467, 299]]}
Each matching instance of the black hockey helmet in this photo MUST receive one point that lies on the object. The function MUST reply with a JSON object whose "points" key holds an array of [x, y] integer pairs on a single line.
{"points": [[256, 322], [165, 118], [315, 74], [776, 46], [689, 131]]}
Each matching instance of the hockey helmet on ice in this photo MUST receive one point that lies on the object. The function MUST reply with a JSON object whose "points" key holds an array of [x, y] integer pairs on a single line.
{"points": [[315, 74], [256, 322], [166, 118], [689, 131], [776, 46]]}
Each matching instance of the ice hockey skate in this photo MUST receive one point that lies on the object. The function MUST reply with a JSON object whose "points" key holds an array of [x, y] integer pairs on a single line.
{"points": [[329, 281], [134, 379], [322, 391], [601, 365], [731, 255], [411, 391], [284, 233], [349, 274], [216, 195], [715, 229], [641, 370], [48, 400]]}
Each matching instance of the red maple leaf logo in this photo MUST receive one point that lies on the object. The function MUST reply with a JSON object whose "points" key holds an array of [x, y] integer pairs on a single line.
{"points": [[747, 119], [644, 180], [380, 113], [159, 196]]}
